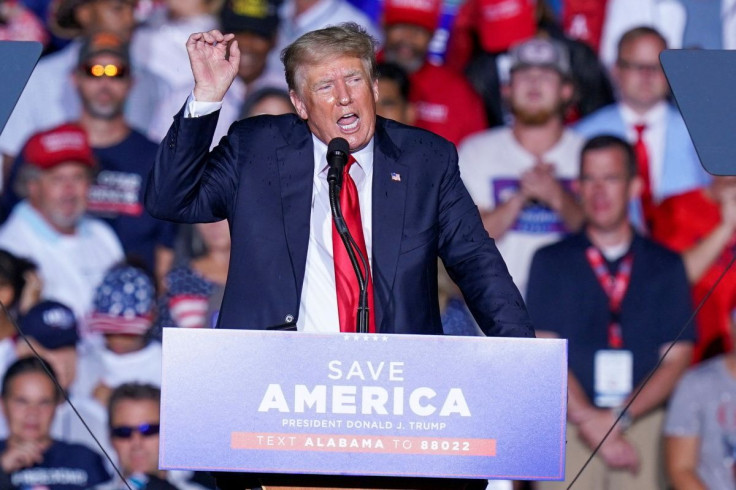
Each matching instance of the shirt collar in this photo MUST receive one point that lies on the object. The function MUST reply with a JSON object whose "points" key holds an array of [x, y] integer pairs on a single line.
{"points": [[653, 116], [363, 157], [584, 239], [42, 227]]}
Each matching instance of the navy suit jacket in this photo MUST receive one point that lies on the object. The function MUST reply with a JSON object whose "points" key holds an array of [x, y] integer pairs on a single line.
{"points": [[260, 178]]}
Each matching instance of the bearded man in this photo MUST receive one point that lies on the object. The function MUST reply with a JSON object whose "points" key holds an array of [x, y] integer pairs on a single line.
{"points": [[520, 175]]}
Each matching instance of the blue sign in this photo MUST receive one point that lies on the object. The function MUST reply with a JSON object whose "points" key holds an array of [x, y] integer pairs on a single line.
{"points": [[408, 405], [535, 217]]}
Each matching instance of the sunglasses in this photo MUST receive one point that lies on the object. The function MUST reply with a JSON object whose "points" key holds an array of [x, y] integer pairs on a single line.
{"points": [[112, 71], [126, 432]]}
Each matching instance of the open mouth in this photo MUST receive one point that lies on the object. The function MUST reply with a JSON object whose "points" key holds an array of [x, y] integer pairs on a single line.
{"points": [[348, 122]]}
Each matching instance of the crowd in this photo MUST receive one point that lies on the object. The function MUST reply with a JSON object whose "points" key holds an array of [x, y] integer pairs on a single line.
{"points": [[580, 165]]}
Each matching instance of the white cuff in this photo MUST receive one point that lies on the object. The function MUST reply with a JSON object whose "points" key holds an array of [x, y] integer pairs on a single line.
{"points": [[198, 108]]}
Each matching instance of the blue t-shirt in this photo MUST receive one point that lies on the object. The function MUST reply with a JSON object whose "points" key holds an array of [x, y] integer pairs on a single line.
{"points": [[117, 197], [64, 467]]}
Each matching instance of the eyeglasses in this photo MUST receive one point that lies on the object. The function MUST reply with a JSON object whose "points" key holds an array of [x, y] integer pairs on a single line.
{"points": [[112, 71], [126, 432], [646, 68]]}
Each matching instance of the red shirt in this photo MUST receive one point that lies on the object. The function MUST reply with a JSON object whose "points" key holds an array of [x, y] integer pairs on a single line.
{"points": [[681, 222], [446, 103]]}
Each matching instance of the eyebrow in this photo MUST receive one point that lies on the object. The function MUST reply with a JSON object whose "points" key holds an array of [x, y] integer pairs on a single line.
{"points": [[349, 74], [322, 81]]}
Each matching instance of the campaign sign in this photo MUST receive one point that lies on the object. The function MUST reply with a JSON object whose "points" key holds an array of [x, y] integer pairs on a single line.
{"points": [[353, 404]]}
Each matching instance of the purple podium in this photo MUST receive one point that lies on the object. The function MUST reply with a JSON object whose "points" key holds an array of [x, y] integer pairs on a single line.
{"points": [[373, 405]]}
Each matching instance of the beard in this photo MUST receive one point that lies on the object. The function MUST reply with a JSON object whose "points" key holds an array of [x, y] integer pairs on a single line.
{"points": [[411, 63], [63, 220], [107, 110], [538, 117]]}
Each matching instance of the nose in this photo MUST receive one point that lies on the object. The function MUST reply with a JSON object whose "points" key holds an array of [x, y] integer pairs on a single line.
{"points": [[343, 93], [136, 438]]}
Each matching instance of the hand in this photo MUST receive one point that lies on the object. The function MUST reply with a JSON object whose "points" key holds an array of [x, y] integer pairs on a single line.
{"points": [[215, 58], [19, 455], [540, 183], [616, 452], [594, 426], [31, 293]]}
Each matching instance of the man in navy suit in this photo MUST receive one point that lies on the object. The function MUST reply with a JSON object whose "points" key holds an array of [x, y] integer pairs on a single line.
{"points": [[267, 177]]}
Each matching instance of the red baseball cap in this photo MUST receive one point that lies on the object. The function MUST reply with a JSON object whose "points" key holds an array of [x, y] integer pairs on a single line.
{"points": [[422, 13], [62, 144]]}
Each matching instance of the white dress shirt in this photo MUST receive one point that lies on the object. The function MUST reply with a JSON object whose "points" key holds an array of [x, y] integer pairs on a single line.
{"points": [[654, 137], [318, 305]]}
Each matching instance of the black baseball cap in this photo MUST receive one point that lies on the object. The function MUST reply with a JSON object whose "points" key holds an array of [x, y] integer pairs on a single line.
{"points": [[257, 16]]}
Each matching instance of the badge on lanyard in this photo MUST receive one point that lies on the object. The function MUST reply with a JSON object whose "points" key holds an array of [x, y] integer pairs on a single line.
{"points": [[613, 367], [613, 377]]}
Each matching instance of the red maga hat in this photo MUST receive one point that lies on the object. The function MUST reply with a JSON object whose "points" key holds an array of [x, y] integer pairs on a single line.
{"points": [[62, 144], [422, 13]]}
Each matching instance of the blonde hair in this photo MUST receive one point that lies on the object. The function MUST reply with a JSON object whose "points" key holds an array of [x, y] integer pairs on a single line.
{"points": [[348, 39]]}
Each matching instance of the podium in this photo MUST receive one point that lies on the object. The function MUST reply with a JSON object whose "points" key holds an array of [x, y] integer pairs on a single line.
{"points": [[375, 405], [18, 59]]}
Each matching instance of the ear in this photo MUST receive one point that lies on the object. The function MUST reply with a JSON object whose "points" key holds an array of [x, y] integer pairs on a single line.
{"points": [[301, 109], [411, 114], [32, 190], [567, 90], [636, 186], [375, 90], [616, 74], [575, 185], [505, 91]]}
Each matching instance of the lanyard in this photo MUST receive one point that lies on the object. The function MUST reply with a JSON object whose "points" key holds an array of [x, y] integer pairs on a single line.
{"points": [[615, 288]]}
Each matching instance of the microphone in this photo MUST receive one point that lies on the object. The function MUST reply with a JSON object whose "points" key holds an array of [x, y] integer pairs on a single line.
{"points": [[338, 151]]}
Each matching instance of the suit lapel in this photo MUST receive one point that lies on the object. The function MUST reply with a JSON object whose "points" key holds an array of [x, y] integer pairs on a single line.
{"points": [[296, 171], [390, 179]]}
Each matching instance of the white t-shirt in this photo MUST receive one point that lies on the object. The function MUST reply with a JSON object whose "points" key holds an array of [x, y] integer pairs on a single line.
{"points": [[7, 354], [70, 266], [100, 365], [491, 164]]}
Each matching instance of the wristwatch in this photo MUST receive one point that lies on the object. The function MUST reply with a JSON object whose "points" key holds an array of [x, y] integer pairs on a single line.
{"points": [[623, 417]]}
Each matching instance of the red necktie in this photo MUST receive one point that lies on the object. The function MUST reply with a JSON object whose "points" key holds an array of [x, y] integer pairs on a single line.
{"points": [[642, 162], [346, 283]]}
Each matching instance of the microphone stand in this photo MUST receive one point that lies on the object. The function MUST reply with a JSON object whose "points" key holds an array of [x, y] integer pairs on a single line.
{"points": [[334, 179]]}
